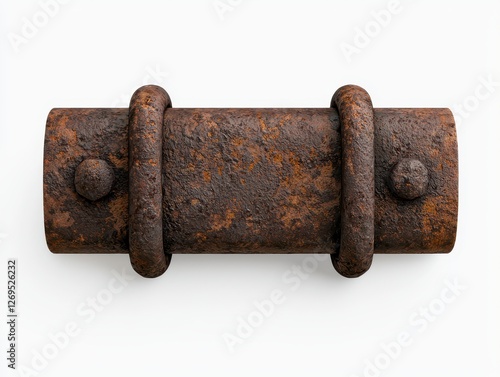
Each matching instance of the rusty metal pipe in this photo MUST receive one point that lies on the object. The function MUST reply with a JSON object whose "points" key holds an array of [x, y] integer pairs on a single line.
{"points": [[156, 181]]}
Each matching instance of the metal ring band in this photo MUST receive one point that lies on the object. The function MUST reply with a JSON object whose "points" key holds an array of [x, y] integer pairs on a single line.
{"points": [[147, 107], [354, 256]]}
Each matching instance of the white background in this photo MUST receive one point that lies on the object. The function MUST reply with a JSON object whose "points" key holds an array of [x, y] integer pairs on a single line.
{"points": [[253, 53]]}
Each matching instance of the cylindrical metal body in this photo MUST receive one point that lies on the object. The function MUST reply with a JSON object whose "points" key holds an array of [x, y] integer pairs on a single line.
{"points": [[250, 180]]}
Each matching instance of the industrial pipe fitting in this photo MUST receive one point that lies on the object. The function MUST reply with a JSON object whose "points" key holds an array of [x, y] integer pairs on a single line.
{"points": [[153, 181]]}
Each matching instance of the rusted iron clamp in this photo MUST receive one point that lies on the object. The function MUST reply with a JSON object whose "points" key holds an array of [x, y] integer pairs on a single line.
{"points": [[348, 180]]}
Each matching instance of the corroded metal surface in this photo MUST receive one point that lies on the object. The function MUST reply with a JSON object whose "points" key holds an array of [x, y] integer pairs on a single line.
{"points": [[145, 182], [251, 180], [428, 223], [74, 224], [244, 181], [354, 256]]}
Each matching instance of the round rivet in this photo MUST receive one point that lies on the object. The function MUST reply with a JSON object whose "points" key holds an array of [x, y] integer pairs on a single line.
{"points": [[94, 179], [409, 179]]}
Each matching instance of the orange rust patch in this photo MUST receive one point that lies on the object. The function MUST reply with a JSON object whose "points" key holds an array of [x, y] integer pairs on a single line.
{"points": [[119, 212], [200, 236], [237, 141], [118, 162], [63, 220], [68, 134], [207, 177], [434, 231], [218, 222], [324, 181], [278, 158]]}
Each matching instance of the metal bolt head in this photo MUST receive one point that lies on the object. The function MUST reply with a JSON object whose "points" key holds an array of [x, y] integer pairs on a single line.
{"points": [[409, 179], [94, 179]]}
